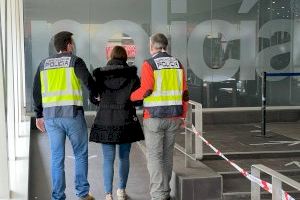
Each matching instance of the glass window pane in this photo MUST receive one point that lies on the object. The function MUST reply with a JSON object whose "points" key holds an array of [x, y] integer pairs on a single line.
{"points": [[224, 45]]}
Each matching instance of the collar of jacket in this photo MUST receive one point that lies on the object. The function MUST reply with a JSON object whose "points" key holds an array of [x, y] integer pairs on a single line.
{"points": [[117, 69]]}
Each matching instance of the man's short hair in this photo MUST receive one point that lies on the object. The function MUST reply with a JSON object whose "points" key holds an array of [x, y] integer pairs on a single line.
{"points": [[159, 41], [61, 40]]}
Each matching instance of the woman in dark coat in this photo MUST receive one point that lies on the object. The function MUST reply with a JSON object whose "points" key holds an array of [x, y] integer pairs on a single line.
{"points": [[116, 122]]}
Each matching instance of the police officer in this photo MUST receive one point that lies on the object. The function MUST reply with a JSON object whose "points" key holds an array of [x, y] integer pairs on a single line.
{"points": [[58, 104], [164, 90]]}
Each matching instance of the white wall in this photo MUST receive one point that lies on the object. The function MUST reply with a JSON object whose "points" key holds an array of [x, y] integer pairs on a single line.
{"points": [[11, 93], [4, 183]]}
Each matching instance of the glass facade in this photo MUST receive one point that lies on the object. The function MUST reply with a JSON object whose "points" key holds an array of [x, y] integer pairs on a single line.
{"points": [[225, 45]]}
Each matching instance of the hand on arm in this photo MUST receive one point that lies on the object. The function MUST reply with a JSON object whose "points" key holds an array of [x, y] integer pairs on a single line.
{"points": [[94, 99]]}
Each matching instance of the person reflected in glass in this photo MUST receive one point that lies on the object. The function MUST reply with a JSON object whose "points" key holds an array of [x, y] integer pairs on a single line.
{"points": [[116, 122]]}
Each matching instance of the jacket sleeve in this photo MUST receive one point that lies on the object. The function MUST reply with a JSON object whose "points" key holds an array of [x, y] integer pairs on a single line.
{"points": [[94, 98], [147, 83], [136, 85], [185, 95], [37, 95], [84, 75]]}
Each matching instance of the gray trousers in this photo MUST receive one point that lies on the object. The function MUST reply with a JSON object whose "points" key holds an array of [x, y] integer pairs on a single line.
{"points": [[160, 138]]}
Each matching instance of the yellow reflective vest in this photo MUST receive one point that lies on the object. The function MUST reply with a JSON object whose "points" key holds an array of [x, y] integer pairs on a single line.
{"points": [[59, 83], [166, 98]]}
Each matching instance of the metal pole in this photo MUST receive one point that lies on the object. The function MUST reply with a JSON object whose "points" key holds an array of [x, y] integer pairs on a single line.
{"points": [[188, 136], [255, 188], [263, 104], [199, 127], [276, 188]]}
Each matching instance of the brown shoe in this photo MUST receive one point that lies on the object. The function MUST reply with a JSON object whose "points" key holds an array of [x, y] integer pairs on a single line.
{"points": [[88, 197]]}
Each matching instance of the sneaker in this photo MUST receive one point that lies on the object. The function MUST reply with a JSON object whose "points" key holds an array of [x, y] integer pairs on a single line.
{"points": [[88, 197], [108, 196], [121, 194]]}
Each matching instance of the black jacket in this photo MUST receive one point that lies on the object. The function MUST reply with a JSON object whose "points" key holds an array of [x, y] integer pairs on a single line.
{"points": [[116, 121]]}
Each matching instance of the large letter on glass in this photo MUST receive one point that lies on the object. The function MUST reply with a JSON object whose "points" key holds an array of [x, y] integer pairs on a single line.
{"points": [[80, 36], [248, 53], [196, 50], [264, 57], [42, 33]]}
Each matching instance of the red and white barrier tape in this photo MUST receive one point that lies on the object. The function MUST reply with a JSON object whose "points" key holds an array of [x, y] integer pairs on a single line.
{"points": [[264, 184]]}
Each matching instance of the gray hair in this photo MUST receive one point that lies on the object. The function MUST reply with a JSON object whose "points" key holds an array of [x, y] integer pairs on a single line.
{"points": [[159, 41]]}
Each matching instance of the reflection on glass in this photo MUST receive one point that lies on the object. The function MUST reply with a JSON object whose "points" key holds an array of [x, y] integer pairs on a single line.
{"points": [[224, 45]]}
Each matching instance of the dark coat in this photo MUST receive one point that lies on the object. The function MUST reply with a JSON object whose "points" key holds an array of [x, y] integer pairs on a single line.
{"points": [[116, 121]]}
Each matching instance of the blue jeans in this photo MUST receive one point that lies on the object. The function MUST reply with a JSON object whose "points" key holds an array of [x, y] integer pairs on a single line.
{"points": [[76, 130], [109, 151]]}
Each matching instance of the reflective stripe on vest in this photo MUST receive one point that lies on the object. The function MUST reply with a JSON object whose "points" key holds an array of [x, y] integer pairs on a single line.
{"points": [[59, 84], [168, 88]]}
